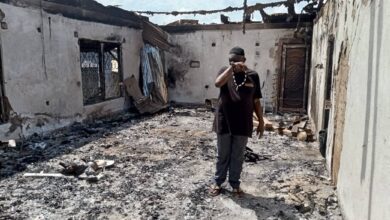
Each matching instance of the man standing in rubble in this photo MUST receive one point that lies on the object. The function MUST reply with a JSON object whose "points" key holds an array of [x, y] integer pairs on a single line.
{"points": [[240, 95]]}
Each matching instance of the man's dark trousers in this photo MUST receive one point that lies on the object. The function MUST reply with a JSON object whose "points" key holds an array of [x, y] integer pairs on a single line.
{"points": [[231, 155]]}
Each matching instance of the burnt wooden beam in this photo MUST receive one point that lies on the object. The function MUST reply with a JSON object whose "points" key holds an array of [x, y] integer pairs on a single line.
{"points": [[249, 26]]}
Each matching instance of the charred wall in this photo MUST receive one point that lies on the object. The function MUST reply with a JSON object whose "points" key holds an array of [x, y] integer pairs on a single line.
{"points": [[358, 149], [42, 69], [87, 10], [202, 51]]}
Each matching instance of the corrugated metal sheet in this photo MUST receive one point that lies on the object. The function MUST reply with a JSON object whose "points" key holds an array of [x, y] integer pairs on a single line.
{"points": [[155, 36]]}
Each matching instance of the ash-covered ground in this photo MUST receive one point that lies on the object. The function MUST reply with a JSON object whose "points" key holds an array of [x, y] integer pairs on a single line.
{"points": [[163, 166]]}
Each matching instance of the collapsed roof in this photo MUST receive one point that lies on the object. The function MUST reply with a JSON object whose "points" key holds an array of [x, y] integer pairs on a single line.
{"points": [[87, 10], [312, 7], [90, 10]]}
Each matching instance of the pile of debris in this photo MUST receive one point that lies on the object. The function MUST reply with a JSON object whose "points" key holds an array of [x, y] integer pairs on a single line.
{"points": [[163, 167], [252, 157], [291, 125], [91, 171]]}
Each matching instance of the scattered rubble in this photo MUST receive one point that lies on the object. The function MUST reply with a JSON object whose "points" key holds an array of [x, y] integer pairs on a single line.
{"points": [[251, 157], [291, 125], [162, 168]]}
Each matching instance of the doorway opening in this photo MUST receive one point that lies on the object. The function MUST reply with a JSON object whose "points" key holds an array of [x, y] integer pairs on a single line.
{"points": [[328, 84], [293, 87]]}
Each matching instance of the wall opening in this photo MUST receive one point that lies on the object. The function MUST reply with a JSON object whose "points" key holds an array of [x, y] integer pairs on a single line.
{"points": [[293, 87], [101, 71], [3, 112], [328, 84]]}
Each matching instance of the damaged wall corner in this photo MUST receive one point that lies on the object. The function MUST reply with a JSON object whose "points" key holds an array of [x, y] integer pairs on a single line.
{"points": [[357, 140], [195, 85], [55, 99]]}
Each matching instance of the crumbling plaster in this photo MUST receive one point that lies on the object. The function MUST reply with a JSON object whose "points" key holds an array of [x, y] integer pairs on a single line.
{"points": [[41, 61], [358, 137], [194, 85]]}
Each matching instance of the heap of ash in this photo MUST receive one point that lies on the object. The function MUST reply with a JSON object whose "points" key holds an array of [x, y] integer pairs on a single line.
{"points": [[158, 167]]}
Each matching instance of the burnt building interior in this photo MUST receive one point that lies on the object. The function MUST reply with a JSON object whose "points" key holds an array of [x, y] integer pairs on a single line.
{"points": [[106, 115]]}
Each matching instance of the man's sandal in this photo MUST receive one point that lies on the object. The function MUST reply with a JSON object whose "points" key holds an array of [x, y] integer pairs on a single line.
{"points": [[238, 192], [215, 190]]}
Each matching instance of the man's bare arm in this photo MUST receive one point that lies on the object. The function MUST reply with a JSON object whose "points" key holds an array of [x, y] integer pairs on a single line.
{"points": [[259, 114], [258, 109], [223, 78]]}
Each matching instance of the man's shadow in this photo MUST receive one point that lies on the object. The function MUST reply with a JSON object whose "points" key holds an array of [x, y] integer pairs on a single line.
{"points": [[264, 207]]}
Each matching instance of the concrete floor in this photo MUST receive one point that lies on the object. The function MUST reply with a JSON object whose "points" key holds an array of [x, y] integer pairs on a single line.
{"points": [[163, 165]]}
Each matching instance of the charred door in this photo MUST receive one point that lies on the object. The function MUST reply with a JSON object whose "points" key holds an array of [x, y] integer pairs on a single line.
{"points": [[294, 78]]}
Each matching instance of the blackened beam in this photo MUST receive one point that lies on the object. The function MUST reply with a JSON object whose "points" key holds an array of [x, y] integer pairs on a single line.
{"points": [[201, 12], [244, 16], [250, 9], [248, 26]]}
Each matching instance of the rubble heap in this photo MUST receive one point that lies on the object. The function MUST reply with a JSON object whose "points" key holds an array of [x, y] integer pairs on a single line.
{"points": [[161, 170]]}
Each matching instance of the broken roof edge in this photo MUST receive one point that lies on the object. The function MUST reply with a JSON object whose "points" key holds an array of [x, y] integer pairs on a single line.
{"points": [[85, 10], [237, 26], [155, 35], [321, 11]]}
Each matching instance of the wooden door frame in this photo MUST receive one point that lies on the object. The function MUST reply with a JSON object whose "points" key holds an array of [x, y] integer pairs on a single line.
{"points": [[282, 77]]}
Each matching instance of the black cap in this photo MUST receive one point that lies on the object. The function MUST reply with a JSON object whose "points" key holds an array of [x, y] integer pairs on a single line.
{"points": [[237, 51]]}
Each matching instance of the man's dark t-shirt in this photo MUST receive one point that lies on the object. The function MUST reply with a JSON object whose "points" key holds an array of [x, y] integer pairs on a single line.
{"points": [[234, 114]]}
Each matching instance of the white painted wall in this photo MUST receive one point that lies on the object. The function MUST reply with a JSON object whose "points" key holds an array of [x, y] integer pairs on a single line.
{"points": [[364, 180], [322, 30], [318, 76], [40, 67], [197, 46]]}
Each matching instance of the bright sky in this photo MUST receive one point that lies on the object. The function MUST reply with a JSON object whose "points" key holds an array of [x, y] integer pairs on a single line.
{"points": [[186, 5]]}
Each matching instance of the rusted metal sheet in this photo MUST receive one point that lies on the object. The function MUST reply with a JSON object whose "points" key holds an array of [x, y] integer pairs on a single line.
{"points": [[155, 36], [144, 104], [294, 78], [154, 94]]}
